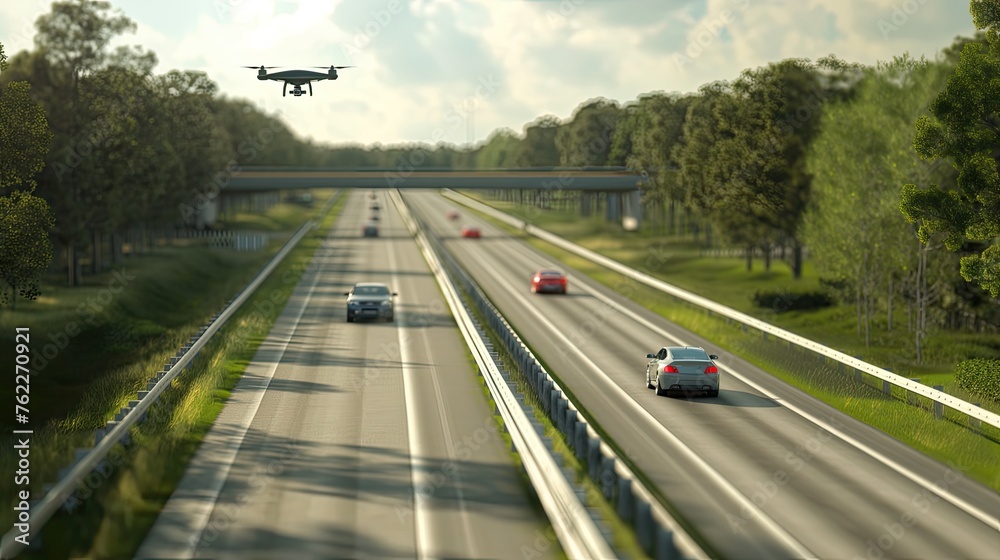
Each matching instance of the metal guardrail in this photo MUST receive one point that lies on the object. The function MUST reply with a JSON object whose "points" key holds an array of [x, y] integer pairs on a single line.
{"points": [[965, 407], [578, 533], [658, 532], [117, 430]]}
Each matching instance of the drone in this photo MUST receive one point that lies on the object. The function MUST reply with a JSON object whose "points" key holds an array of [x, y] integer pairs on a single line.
{"points": [[297, 78]]}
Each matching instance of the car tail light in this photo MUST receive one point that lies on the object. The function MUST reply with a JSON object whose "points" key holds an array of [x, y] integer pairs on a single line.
{"points": [[711, 369], [670, 369]]}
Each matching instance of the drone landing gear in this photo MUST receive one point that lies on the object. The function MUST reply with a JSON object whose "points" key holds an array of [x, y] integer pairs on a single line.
{"points": [[284, 89], [310, 88]]}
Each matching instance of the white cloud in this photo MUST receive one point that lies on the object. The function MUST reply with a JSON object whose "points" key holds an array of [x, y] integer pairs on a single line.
{"points": [[417, 60]]}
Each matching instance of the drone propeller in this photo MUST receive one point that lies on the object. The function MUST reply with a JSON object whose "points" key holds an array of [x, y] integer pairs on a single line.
{"points": [[259, 67], [337, 67]]}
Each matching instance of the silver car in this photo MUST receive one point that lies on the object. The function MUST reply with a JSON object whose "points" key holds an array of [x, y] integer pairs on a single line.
{"points": [[369, 300], [683, 368]]}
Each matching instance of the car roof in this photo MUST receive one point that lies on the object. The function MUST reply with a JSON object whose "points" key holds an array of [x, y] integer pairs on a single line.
{"points": [[549, 271], [370, 285]]}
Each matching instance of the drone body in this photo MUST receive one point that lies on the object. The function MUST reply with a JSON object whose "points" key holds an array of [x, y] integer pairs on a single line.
{"points": [[297, 78]]}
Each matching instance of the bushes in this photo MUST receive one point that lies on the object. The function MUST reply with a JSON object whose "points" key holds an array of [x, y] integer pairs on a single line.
{"points": [[780, 302], [980, 376]]}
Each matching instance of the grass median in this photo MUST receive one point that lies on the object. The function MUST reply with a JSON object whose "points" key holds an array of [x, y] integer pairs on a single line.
{"points": [[113, 510], [973, 451]]}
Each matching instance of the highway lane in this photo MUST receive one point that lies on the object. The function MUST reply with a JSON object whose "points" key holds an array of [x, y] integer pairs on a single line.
{"points": [[791, 487], [336, 424]]}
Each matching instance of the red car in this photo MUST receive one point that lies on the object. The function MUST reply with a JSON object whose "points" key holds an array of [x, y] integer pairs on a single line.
{"points": [[470, 231], [548, 281], [453, 215]]}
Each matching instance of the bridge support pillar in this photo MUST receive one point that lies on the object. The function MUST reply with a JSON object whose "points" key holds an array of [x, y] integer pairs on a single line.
{"points": [[633, 210], [614, 208]]}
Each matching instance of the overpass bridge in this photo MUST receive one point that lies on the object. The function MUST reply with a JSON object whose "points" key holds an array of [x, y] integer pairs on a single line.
{"points": [[597, 179], [252, 188]]}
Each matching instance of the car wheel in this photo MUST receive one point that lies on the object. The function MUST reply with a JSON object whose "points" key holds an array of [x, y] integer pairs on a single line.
{"points": [[649, 385], [713, 393], [389, 318], [350, 318], [659, 390]]}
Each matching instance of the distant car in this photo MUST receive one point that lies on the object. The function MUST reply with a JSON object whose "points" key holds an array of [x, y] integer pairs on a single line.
{"points": [[372, 195], [369, 300], [549, 281], [374, 206], [369, 230], [373, 218], [470, 231], [453, 215], [683, 368]]}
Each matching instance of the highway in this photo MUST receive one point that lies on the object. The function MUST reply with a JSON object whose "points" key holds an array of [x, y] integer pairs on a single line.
{"points": [[321, 446], [764, 470]]}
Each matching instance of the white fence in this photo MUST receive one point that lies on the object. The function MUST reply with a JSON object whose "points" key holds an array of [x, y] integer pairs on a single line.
{"points": [[223, 239]]}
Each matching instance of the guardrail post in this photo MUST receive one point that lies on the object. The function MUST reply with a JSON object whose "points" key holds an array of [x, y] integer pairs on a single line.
{"points": [[626, 502], [609, 478], [666, 548], [580, 441], [857, 373], [546, 395], [562, 405], [975, 423], [644, 527], [593, 457], [938, 407], [886, 387], [911, 397]]}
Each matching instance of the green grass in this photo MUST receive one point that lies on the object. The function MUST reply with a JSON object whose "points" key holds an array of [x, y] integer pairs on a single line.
{"points": [[163, 294], [949, 440]]}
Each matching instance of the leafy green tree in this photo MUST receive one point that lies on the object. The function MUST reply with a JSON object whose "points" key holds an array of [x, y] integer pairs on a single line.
{"points": [[586, 139], [538, 148], [964, 127], [24, 136], [25, 248], [499, 150], [861, 154]]}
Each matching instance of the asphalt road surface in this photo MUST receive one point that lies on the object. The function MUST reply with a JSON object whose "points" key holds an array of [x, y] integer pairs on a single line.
{"points": [[762, 471], [320, 448]]}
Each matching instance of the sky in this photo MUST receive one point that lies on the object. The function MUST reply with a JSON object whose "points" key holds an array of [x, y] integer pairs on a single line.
{"points": [[456, 70]]}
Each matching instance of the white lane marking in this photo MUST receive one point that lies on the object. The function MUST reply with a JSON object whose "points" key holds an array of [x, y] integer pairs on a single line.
{"points": [[638, 411], [422, 530], [235, 441], [958, 502]]}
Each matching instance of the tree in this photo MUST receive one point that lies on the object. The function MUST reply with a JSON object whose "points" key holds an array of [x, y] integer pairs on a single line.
{"points": [[25, 248], [862, 152], [586, 139], [24, 136], [538, 148], [964, 127], [499, 151]]}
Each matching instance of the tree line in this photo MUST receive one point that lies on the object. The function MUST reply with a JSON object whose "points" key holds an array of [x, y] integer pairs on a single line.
{"points": [[884, 176]]}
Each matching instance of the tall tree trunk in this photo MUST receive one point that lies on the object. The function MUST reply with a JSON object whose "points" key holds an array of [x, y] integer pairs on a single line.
{"points": [[767, 258], [749, 254], [96, 251], [892, 296], [857, 305], [797, 260]]}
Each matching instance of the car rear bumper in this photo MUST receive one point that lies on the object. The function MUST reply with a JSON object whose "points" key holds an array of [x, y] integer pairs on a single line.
{"points": [[701, 382], [370, 312]]}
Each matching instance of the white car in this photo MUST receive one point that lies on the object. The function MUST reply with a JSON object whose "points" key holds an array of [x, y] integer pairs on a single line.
{"points": [[369, 300], [683, 368]]}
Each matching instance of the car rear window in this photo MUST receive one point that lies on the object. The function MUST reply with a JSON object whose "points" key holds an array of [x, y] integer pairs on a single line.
{"points": [[689, 354], [371, 290], [550, 273]]}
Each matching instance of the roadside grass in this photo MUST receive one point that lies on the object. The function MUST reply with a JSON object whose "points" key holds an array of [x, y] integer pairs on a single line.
{"points": [[116, 505], [971, 451]]}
